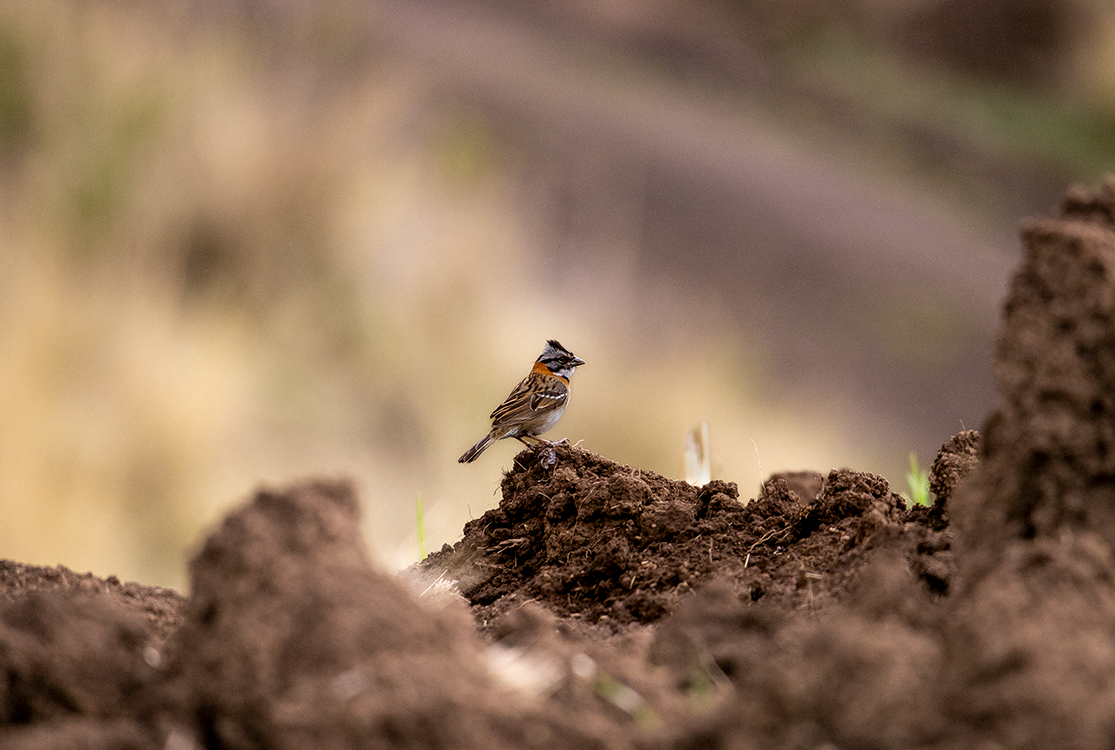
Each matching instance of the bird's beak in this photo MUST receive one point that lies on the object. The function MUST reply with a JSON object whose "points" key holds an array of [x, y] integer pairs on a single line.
{"points": [[577, 361]]}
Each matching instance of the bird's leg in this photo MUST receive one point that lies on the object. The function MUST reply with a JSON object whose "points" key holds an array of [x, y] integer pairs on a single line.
{"points": [[548, 456]]}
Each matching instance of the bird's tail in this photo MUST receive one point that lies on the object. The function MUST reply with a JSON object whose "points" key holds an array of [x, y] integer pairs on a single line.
{"points": [[476, 450]]}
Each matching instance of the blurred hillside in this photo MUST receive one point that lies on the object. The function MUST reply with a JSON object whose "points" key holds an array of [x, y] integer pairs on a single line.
{"points": [[242, 242]]}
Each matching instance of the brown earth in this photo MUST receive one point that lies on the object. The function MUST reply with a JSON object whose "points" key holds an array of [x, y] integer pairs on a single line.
{"points": [[601, 606]]}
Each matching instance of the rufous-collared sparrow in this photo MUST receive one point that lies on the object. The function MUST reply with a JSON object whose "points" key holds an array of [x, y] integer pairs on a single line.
{"points": [[535, 405]]}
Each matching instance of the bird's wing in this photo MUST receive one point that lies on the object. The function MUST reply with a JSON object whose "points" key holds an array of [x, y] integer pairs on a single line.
{"points": [[530, 398]]}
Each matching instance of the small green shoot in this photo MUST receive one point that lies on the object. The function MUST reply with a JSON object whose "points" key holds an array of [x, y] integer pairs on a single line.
{"points": [[625, 699], [615, 692], [705, 679], [421, 530], [918, 479]]}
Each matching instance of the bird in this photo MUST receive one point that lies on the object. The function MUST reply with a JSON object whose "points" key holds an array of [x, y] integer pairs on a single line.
{"points": [[535, 404]]}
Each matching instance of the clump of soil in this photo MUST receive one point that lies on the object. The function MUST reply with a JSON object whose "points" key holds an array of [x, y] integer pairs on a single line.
{"points": [[955, 461], [601, 606]]}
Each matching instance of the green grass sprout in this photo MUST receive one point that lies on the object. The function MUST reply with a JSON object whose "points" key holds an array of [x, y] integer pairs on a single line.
{"points": [[918, 480], [625, 699], [421, 529], [613, 691]]}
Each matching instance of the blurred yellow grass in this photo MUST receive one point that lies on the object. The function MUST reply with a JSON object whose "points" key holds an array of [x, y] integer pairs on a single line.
{"points": [[226, 263]]}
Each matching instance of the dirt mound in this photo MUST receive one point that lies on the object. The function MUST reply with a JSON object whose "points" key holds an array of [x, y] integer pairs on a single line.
{"points": [[1032, 629], [602, 542], [621, 609], [291, 640], [78, 654]]}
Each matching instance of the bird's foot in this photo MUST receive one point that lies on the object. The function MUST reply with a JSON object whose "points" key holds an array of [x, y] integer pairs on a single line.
{"points": [[547, 457]]}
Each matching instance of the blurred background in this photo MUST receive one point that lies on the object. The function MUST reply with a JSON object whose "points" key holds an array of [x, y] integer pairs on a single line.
{"points": [[247, 241]]}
